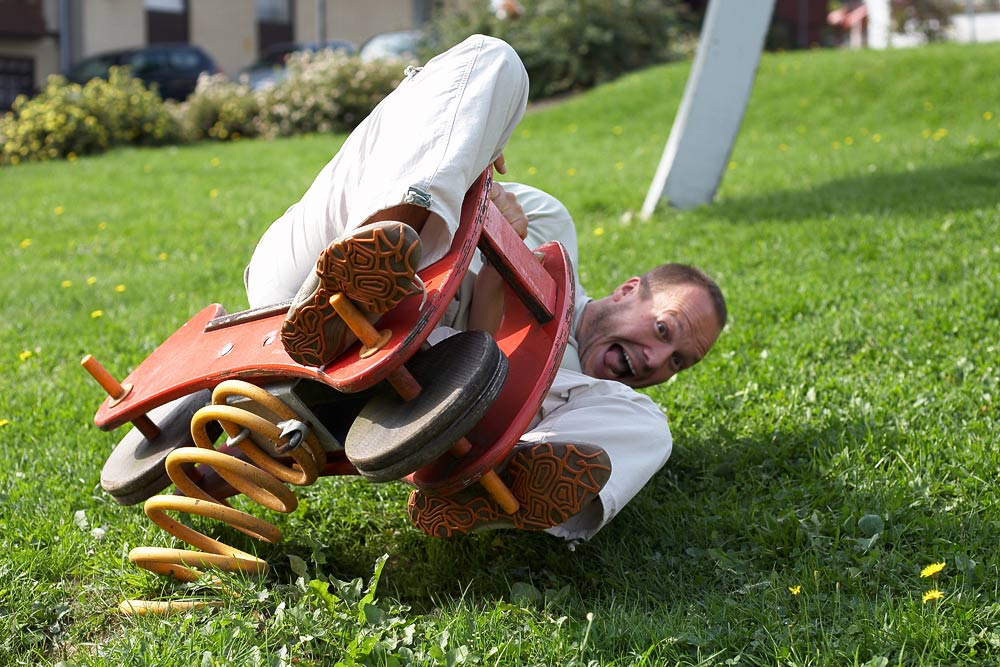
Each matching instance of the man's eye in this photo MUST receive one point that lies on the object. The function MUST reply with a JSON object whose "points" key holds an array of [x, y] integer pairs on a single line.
{"points": [[661, 329], [677, 361]]}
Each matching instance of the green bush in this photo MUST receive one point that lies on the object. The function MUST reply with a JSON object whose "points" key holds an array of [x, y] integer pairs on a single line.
{"points": [[572, 44], [322, 92], [325, 92], [69, 119], [218, 109]]}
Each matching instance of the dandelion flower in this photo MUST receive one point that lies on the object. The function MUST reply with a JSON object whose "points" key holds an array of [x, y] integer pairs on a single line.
{"points": [[525, 134], [794, 590], [571, 171], [849, 140], [940, 134], [96, 313], [102, 225], [532, 171], [617, 130], [876, 137], [926, 134], [216, 162], [213, 193], [836, 145], [71, 156], [66, 283], [932, 569], [598, 231], [163, 256], [782, 147], [119, 288], [4, 422], [731, 165], [91, 280], [25, 243], [932, 594], [25, 355], [59, 210], [619, 165], [987, 115]]}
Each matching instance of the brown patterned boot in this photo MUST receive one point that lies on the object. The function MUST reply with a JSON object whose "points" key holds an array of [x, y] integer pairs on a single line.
{"points": [[375, 266], [552, 481]]}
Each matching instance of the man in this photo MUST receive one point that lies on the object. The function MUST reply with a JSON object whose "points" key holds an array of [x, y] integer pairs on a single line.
{"points": [[388, 204]]}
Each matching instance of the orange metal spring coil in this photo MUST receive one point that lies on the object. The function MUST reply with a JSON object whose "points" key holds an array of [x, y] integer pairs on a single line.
{"points": [[262, 482]]}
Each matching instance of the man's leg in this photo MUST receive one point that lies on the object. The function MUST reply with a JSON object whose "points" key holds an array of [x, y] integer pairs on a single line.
{"points": [[613, 425], [416, 154]]}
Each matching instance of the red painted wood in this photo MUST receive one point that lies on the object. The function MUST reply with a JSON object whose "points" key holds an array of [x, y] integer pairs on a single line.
{"points": [[534, 351], [193, 359], [518, 266]]}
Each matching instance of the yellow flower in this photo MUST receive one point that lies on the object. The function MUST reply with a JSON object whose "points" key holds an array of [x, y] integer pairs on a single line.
{"points": [[782, 147], [619, 165], [59, 210], [598, 231], [532, 171], [66, 283], [925, 134], [25, 355], [4, 422], [91, 280], [25, 243], [525, 134], [571, 171], [119, 288], [617, 130], [102, 226], [213, 193], [848, 140], [987, 115], [216, 162], [932, 594], [96, 313], [876, 137], [932, 569], [163, 256], [940, 134], [731, 165], [794, 590], [71, 156], [836, 145]]}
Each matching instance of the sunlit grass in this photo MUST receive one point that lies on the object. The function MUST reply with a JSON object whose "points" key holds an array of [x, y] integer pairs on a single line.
{"points": [[838, 442]]}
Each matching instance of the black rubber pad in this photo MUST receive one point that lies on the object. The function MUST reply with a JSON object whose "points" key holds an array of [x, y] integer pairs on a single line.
{"points": [[136, 469], [460, 377]]}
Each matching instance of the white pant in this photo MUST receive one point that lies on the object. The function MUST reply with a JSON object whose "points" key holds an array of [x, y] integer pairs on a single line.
{"points": [[426, 143]]}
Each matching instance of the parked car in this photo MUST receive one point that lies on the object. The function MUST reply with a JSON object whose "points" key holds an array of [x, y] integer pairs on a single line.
{"points": [[401, 44], [269, 69], [172, 69]]}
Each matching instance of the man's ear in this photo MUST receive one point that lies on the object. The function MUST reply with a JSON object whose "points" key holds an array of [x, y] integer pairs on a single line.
{"points": [[630, 286]]}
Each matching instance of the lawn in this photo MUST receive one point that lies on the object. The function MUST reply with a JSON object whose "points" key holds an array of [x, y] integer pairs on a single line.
{"points": [[841, 436]]}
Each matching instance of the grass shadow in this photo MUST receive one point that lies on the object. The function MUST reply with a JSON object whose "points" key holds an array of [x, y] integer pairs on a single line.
{"points": [[926, 191]]}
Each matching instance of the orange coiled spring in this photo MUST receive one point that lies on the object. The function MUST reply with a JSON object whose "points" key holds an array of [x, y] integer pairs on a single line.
{"points": [[263, 483]]}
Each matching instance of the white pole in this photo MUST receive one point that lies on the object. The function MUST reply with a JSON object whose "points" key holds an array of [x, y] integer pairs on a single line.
{"points": [[715, 98]]}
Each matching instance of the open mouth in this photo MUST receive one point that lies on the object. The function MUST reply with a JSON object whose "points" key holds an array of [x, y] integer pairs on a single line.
{"points": [[618, 361]]}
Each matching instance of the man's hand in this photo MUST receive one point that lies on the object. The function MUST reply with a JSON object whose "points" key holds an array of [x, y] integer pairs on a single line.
{"points": [[509, 209]]}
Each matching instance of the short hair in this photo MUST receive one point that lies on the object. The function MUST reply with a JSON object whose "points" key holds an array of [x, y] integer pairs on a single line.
{"points": [[666, 275]]}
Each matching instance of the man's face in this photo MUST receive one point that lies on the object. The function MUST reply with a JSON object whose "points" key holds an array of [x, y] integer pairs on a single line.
{"points": [[645, 341]]}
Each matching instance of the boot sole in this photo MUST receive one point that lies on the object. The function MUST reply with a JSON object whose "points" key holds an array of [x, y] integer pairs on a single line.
{"points": [[374, 268], [551, 481]]}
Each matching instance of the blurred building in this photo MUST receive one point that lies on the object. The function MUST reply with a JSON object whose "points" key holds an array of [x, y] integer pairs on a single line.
{"points": [[43, 37]]}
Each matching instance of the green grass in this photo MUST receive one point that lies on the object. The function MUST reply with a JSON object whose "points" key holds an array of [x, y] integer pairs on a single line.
{"points": [[857, 237]]}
